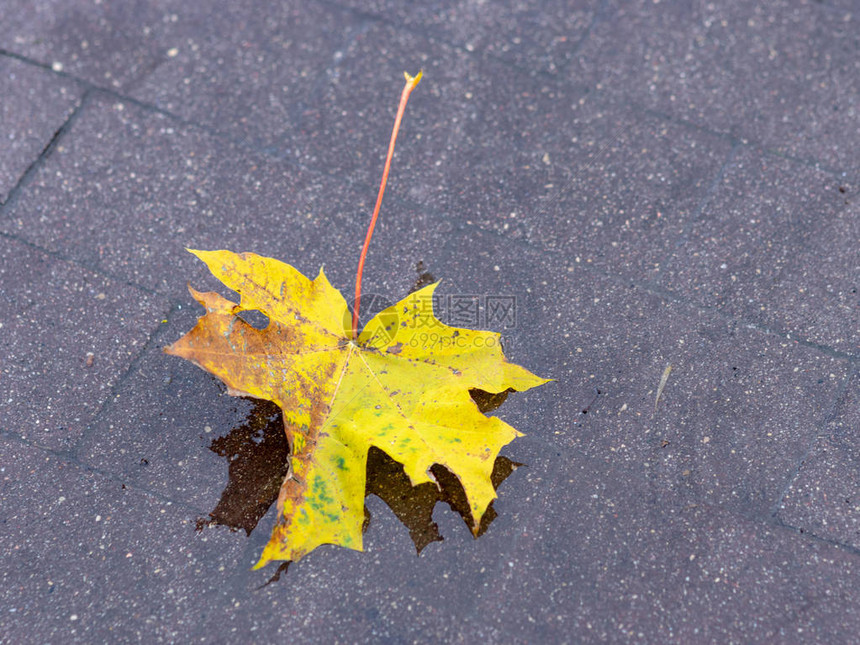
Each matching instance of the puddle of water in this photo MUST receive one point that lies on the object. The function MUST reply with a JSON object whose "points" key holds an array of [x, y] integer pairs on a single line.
{"points": [[257, 455]]}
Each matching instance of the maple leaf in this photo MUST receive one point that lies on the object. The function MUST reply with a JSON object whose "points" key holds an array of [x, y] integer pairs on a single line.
{"points": [[402, 385]]}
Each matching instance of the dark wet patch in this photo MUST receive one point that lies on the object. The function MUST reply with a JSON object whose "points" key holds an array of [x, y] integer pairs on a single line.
{"points": [[424, 278], [454, 495], [413, 505], [257, 453], [489, 401]]}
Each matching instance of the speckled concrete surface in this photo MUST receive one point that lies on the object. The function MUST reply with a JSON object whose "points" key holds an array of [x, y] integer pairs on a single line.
{"points": [[657, 184], [35, 105], [69, 336]]}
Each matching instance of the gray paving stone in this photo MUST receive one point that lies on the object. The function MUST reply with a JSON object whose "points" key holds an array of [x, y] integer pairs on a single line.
{"points": [[776, 243], [615, 560], [736, 415], [616, 565], [243, 71], [109, 44], [525, 157], [128, 190], [35, 104], [167, 414], [824, 498], [68, 335], [784, 74], [582, 174], [541, 38], [90, 559]]}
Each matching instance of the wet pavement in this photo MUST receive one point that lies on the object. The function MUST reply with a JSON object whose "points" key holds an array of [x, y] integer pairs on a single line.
{"points": [[652, 184]]}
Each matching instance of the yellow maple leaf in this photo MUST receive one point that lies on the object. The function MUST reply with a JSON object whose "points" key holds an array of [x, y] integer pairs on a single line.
{"points": [[402, 385]]}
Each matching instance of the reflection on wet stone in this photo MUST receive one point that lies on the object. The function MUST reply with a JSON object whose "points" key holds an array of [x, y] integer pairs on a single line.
{"points": [[489, 401], [413, 505], [257, 454]]}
